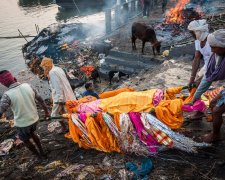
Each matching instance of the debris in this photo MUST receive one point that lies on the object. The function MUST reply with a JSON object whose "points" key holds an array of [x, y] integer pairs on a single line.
{"points": [[123, 174], [24, 167], [5, 146], [70, 170], [53, 126], [107, 41], [90, 169], [106, 161], [54, 164], [166, 53], [82, 175], [143, 172], [106, 177]]}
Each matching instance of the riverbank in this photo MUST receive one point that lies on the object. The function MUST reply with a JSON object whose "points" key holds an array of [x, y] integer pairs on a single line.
{"points": [[208, 163], [92, 164]]}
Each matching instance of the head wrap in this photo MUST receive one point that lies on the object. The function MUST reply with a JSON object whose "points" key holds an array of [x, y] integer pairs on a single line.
{"points": [[200, 28], [46, 64], [6, 78], [217, 39]]}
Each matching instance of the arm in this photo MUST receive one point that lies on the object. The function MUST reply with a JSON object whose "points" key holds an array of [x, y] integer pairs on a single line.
{"points": [[195, 66], [5, 103], [42, 103], [203, 87], [56, 85]]}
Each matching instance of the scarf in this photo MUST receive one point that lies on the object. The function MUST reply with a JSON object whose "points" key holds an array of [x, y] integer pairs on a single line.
{"points": [[215, 73]]}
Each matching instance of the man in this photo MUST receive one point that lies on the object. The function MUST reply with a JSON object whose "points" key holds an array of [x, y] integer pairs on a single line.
{"points": [[90, 90], [60, 87], [164, 4], [215, 71], [146, 7], [199, 29], [21, 98]]}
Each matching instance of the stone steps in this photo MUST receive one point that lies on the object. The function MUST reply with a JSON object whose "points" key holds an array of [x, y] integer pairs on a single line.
{"points": [[127, 62]]}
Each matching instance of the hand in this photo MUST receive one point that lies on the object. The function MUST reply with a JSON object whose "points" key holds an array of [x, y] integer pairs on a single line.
{"points": [[185, 87], [189, 104], [47, 115], [214, 101]]}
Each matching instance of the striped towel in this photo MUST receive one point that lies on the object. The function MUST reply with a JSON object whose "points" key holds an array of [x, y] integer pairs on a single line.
{"points": [[210, 95], [162, 138]]}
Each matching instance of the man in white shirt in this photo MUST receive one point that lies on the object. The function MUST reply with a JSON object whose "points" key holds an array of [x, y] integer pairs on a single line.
{"points": [[60, 87], [200, 30]]}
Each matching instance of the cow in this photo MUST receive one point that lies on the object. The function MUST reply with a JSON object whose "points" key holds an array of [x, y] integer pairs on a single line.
{"points": [[146, 34]]}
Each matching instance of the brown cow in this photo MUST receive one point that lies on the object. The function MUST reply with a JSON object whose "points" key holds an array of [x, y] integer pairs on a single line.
{"points": [[146, 34]]}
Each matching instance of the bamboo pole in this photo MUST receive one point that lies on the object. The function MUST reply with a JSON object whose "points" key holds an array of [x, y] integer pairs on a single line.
{"points": [[22, 35]]}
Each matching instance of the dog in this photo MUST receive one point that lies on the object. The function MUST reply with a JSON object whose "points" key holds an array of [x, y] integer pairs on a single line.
{"points": [[95, 75], [116, 75]]}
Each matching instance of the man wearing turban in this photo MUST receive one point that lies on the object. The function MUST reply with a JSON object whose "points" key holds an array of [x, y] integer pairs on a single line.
{"points": [[21, 98], [215, 71], [60, 87], [199, 29]]}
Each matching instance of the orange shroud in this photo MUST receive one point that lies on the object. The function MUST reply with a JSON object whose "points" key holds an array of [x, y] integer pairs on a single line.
{"points": [[108, 94]]}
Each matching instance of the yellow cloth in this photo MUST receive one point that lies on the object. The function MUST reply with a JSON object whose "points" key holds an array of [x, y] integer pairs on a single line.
{"points": [[76, 135], [100, 135], [108, 94], [170, 93], [128, 102], [190, 97], [170, 113]]}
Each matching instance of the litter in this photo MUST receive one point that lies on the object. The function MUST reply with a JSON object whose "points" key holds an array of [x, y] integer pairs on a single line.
{"points": [[70, 170], [5, 147]]}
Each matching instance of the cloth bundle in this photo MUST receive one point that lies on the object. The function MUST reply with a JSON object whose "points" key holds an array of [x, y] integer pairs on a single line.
{"points": [[197, 106], [139, 133]]}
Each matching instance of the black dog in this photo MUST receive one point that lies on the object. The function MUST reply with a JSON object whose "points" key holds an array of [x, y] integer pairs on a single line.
{"points": [[95, 74], [117, 75]]}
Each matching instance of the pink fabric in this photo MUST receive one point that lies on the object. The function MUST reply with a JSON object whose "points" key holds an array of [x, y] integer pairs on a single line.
{"points": [[158, 96], [82, 117], [143, 135], [197, 106], [90, 107], [6, 78]]}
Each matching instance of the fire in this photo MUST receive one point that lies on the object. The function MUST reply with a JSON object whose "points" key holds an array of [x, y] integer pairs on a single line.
{"points": [[174, 15]]}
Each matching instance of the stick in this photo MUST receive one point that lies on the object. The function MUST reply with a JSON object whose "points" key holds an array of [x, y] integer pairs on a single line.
{"points": [[76, 7], [22, 35], [11, 37]]}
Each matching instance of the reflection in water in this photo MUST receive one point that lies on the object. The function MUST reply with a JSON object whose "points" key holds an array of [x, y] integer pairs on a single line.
{"points": [[65, 14], [24, 14], [82, 7], [32, 3]]}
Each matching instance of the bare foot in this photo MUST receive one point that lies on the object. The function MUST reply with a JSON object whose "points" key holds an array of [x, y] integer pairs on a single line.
{"points": [[197, 116], [210, 138]]}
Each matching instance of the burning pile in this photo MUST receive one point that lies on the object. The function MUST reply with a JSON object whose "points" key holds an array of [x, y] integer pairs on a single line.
{"points": [[181, 14]]}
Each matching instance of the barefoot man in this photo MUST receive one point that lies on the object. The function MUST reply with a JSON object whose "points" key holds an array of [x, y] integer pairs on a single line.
{"points": [[21, 98], [199, 29]]}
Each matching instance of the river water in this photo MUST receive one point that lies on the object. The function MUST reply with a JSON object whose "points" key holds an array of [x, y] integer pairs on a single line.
{"points": [[23, 15]]}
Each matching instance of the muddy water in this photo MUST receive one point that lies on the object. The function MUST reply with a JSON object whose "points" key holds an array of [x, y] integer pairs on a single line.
{"points": [[23, 15]]}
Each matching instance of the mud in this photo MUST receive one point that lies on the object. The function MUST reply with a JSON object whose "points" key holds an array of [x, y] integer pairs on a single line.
{"points": [[208, 163]]}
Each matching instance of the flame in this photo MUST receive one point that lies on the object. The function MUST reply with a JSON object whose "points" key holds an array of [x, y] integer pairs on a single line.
{"points": [[174, 15]]}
